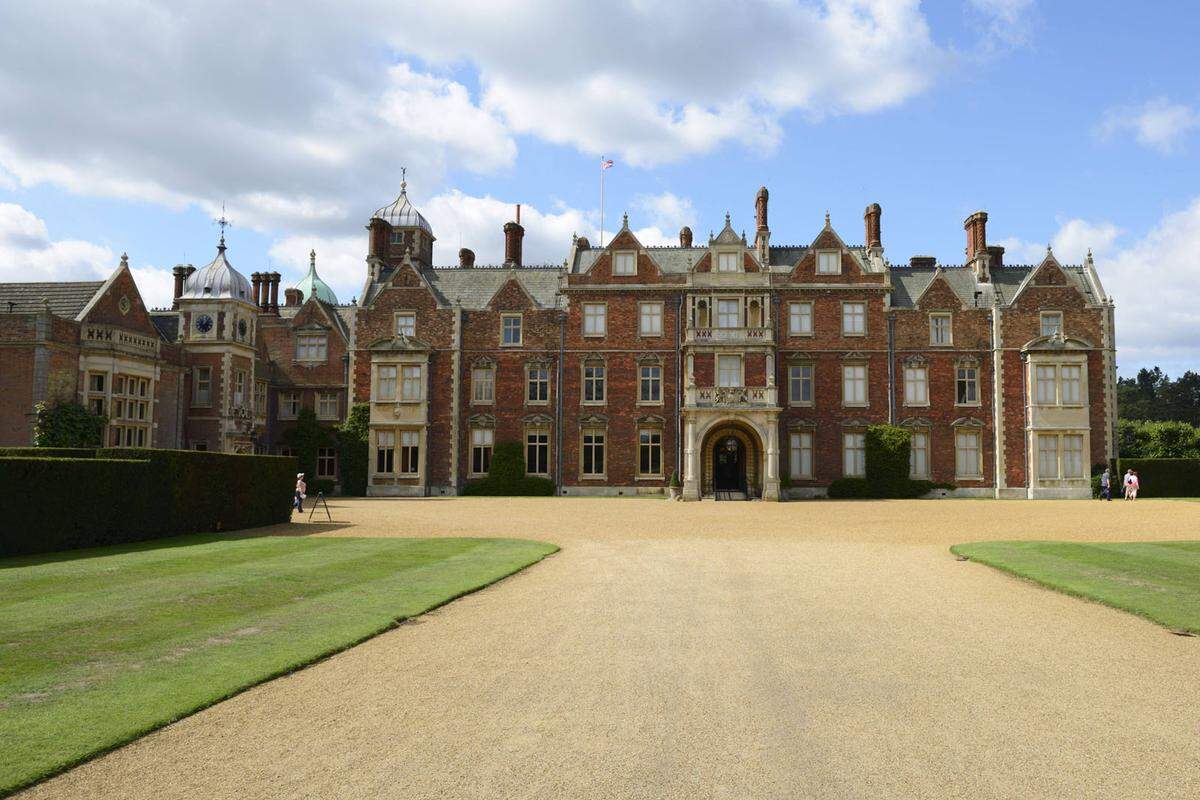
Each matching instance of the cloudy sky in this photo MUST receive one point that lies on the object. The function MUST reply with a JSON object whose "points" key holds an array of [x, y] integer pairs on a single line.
{"points": [[1073, 123]]}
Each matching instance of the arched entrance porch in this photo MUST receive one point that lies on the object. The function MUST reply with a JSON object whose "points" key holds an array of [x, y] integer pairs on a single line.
{"points": [[731, 461]]}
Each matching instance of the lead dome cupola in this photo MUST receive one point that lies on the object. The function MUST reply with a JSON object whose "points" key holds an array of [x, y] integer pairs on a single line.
{"points": [[218, 280]]}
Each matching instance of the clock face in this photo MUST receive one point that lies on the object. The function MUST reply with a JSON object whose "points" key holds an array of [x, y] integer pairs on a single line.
{"points": [[204, 323], [242, 328]]}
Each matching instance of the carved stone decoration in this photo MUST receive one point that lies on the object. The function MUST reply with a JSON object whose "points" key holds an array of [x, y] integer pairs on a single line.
{"points": [[731, 396], [123, 305], [243, 418]]}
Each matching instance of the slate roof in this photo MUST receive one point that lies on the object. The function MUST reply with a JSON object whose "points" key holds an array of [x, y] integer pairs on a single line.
{"points": [[909, 282], [674, 259], [167, 325], [67, 298], [474, 287]]}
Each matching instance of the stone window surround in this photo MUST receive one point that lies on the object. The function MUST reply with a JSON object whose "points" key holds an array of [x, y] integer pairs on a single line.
{"points": [[661, 318], [543, 364], [827, 251], [603, 305], [648, 360], [968, 425], [811, 319], [947, 315], [519, 317], [593, 425], [802, 361], [593, 362], [854, 334], [619, 256]]}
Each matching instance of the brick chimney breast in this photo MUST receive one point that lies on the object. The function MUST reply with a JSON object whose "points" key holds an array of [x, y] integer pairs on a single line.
{"points": [[871, 218], [997, 256], [685, 236], [293, 297], [976, 228], [513, 235]]}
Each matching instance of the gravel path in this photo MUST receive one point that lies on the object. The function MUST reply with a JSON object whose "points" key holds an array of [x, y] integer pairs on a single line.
{"points": [[733, 650]]}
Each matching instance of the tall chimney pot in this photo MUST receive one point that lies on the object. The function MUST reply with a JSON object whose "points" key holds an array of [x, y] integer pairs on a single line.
{"points": [[513, 235], [685, 236], [466, 258], [275, 276], [871, 218]]}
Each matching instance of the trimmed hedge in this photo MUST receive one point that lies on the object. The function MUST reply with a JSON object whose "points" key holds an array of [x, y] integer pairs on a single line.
{"points": [[506, 476], [66, 503], [861, 488], [1161, 477], [47, 452], [128, 495]]}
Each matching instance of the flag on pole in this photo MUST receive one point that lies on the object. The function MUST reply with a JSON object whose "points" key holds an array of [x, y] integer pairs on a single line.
{"points": [[605, 163]]}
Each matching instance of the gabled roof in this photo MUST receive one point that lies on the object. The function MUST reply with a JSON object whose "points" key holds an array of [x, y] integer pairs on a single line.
{"points": [[66, 299], [474, 288], [167, 325]]}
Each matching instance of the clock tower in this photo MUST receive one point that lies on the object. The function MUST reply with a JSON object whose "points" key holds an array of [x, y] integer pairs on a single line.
{"points": [[218, 319]]}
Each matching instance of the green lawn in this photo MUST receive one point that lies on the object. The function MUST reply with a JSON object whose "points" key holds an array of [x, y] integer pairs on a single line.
{"points": [[100, 646], [1156, 580]]}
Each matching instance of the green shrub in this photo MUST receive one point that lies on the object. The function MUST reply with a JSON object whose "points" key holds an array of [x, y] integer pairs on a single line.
{"points": [[887, 452], [850, 488], [506, 476], [47, 452], [1161, 477], [863, 488], [353, 453], [1149, 439], [305, 438], [67, 425]]}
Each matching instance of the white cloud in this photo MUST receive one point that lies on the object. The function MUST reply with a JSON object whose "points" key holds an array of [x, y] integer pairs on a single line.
{"points": [[1071, 243], [27, 253], [1006, 23], [1158, 124]]}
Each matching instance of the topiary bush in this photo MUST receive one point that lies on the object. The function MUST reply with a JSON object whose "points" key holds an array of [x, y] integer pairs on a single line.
{"points": [[507, 478], [353, 453], [67, 425], [887, 451]]}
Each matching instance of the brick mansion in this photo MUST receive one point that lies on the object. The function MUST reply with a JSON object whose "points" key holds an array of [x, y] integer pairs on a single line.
{"points": [[748, 368]]}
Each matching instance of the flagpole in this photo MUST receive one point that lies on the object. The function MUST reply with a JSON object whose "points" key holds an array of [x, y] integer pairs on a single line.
{"points": [[602, 171]]}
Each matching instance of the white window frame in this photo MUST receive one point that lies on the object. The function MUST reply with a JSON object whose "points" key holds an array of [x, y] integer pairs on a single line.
{"points": [[1058, 453], [387, 381], [800, 445], [966, 380], [408, 452], [505, 327], [797, 380], [800, 319], [538, 437], [595, 319], [850, 380], [260, 398], [325, 457], [385, 452], [962, 435], [724, 375], [1070, 389], [735, 316], [650, 376], [650, 441], [541, 383], [916, 385], [827, 257], [312, 347], [412, 383], [327, 405], [729, 262], [624, 262], [202, 387], [595, 381], [854, 454], [854, 310], [599, 438], [936, 337], [289, 405], [483, 444], [918, 468], [1044, 316], [483, 385], [650, 319], [406, 323]]}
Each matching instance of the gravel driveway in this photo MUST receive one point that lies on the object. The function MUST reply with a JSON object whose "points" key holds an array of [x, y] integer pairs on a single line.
{"points": [[717, 650]]}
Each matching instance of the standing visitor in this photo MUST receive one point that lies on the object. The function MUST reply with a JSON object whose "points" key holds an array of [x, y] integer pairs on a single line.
{"points": [[301, 488], [1134, 485], [1126, 482], [1106, 485]]}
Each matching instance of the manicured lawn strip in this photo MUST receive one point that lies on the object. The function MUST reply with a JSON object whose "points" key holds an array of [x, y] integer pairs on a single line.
{"points": [[1156, 580], [103, 647]]}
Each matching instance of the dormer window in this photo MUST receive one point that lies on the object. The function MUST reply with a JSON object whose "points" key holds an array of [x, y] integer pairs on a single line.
{"points": [[728, 262], [624, 264], [311, 347], [829, 263], [397, 238], [1052, 323]]}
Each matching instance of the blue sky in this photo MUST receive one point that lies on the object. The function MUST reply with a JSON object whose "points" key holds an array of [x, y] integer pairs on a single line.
{"points": [[1071, 123]]}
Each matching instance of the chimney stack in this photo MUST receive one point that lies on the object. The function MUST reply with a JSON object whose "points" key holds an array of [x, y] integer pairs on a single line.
{"points": [[995, 256], [760, 208], [513, 234], [871, 218], [274, 278], [466, 258], [256, 288], [293, 297], [179, 273], [978, 256], [685, 236]]}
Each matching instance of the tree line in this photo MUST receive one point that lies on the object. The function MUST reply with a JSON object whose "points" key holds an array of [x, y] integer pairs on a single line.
{"points": [[1158, 417]]}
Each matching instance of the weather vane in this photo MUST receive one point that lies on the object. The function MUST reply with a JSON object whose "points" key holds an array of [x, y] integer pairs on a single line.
{"points": [[223, 223], [403, 178]]}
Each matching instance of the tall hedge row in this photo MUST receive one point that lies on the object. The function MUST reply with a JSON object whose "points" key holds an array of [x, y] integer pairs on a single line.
{"points": [[1161, 477], [127, 495]]}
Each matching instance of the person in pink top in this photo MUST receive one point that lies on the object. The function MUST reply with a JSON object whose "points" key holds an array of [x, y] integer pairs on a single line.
{"points": [[1134, 485]]}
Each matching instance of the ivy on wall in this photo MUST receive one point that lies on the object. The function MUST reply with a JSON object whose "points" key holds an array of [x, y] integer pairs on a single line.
{"points": [[67, 425]]}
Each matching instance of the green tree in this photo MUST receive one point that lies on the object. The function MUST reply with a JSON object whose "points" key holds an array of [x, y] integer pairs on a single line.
{"points": [[353, 453], [67, 425], [305, 439]]}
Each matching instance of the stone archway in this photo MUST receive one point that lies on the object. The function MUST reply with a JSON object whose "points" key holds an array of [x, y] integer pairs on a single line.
{"points": [[731, 459]]}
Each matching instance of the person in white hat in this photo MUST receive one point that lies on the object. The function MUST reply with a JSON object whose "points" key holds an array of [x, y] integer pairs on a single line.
{"points": [[301, 488]]}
